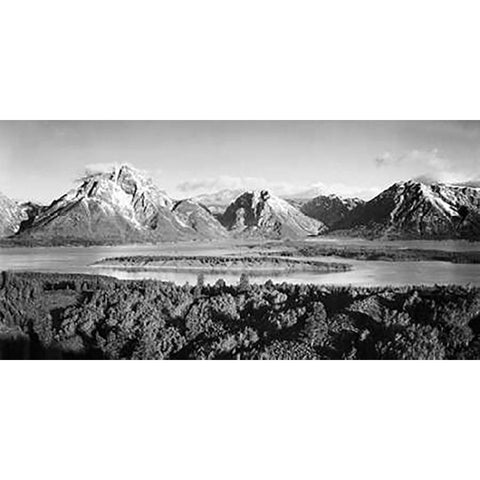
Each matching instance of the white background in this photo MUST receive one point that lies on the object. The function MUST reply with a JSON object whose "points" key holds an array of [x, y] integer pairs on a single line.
{"points": [[239, 60]]}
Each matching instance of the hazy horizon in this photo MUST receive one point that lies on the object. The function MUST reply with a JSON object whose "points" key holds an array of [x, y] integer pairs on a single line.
{"points": [[41, 160]]}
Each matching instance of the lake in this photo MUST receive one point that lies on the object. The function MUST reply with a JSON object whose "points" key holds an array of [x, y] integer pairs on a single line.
{"points": [[366, 273]]}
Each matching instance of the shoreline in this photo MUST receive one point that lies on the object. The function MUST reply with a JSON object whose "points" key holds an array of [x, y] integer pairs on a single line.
{"points": [[386, 253]]}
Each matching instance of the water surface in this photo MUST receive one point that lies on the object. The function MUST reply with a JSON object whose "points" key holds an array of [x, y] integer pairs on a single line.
{"points": [[367, 273]]}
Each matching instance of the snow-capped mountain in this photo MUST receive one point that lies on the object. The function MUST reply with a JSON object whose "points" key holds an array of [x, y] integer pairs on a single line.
{"points": [[330, 209], [200, 219], [11, 216], [417, 210], [122, 205], [217, 202], [260, 213]]}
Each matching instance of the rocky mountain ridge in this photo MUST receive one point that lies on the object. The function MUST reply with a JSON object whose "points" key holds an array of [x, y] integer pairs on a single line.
{"points": [[260, 213], [330, 209], [199, 218], [124, 206], [418, 210], [119, 206]]}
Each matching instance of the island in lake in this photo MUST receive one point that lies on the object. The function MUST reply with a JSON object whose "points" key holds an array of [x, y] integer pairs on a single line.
{"points": [[221, 263]]}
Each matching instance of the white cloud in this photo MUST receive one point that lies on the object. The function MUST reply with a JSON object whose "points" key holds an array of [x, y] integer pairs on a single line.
{"points": [[107, 167], [224, 182], [94, 168], [424, 165], [284, 189], [429, 158], [386, 158]]}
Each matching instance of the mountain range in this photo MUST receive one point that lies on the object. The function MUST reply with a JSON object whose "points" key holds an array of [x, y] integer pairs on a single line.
{"points": [[417, 210], [124, 206]]}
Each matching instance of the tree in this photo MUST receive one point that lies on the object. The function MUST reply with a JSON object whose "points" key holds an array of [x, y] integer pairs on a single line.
{"points": [[244, 284], [316, 328], [201, 280]]}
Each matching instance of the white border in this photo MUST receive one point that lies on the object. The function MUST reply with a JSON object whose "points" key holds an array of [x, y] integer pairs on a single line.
{"points": [[254, 59], [237, 420]]}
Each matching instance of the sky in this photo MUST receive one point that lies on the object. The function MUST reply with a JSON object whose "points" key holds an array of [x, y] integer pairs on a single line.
{"points": [[41, 160]]}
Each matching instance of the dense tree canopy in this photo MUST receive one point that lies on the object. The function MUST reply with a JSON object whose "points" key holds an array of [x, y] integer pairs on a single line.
{"points": [[78, 316]]}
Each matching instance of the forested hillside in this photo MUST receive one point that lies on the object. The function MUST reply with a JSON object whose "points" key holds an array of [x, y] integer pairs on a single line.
{"points": [[76, 316]]}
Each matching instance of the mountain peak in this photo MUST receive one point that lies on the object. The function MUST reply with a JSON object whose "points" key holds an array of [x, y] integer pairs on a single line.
{"points": [[415, 209], [258, 195], [199, 218], [119, 205], [330, 209], [260, 212]]}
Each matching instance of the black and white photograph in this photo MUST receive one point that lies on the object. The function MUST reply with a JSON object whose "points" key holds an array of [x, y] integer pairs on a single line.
{"points": [[239, 239], [246, 240]]}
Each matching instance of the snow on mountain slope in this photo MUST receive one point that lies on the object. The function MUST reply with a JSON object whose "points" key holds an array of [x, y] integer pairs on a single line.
{"points": [[417, 210], [259, 213], [119, 206], [11, 216], [200, 219]]}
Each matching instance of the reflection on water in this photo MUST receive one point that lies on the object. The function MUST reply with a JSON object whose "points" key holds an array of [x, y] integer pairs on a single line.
{"points": [[367, 273]]}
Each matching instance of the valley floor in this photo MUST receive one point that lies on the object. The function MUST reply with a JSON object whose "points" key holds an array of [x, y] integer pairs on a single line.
{"points": [[86, 316]]}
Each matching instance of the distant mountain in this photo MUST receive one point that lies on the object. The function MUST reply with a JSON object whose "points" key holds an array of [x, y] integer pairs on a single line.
{"points": [[200, 219], [260, 213], [417, 210], [217, 202], [124, 206], [119, 206], [303, 196], [11, 216], [330, 209]]}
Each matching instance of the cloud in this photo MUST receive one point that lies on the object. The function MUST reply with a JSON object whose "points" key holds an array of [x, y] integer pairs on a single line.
{"points": [[345, 190], [224, 182], [385, 158], [430, 158], [284, 189], [427, 166], [96, 168], [449, 178], [107, 167], [470, 183]]}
